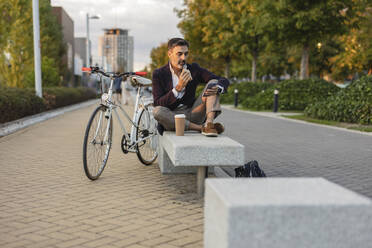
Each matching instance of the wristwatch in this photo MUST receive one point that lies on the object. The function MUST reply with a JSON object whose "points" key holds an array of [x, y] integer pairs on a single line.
{"points": [[220, 89]]}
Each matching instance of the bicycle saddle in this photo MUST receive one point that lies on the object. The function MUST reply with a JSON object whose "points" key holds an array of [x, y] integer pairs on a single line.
{"points": [[140, 81]]}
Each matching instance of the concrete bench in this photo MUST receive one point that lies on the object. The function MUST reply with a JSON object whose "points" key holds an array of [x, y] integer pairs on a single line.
{"points": [[285, 213], [195, 152]]}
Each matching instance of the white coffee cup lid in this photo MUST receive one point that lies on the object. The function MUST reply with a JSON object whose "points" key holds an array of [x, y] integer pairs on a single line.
{"points": [[180, 116]]}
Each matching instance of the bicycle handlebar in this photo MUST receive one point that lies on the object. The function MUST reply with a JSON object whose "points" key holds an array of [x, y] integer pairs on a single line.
{"points": [[94, 69]]}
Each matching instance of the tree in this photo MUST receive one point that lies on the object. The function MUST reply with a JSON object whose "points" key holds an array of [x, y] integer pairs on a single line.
{"points": [[159, 56], [224, 30], [305, 23], [191, 26], [218, 33], [277, 59], [355, 54], [247, 24], [16, 44], [320, 61]]}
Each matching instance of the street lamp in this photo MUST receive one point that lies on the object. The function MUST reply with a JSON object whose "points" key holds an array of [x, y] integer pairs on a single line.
{"points": [[89, 59], [37, 55], [319, 45]]}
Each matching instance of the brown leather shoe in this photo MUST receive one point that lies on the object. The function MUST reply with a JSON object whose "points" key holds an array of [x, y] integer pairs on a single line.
{"points": [[219, 127], [209, 130]]}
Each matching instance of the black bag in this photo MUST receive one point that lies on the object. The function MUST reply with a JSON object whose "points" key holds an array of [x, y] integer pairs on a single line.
{"points": [[250, 169]]}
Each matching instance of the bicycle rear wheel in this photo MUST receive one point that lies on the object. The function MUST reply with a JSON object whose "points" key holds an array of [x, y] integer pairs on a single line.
{"points": [[147, 148], [96, 148]]}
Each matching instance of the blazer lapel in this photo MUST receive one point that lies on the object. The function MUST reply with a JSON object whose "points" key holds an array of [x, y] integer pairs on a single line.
{"points": [[168, 78]]}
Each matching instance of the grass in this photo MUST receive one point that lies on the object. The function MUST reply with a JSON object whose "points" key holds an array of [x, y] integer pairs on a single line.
{"points": [[359, 127]]}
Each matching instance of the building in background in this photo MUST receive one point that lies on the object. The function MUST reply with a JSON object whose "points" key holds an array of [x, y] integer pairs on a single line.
{"points": [[81, 48], [68, 37], [81, 61], [115, 48]]}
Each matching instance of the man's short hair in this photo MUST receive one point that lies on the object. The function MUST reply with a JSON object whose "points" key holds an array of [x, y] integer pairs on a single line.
{"points": [[177, 42]]}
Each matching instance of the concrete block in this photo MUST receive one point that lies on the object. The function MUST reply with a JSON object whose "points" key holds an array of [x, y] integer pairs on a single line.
{"points": [[285, 213], [166, 166], [195, 149]]}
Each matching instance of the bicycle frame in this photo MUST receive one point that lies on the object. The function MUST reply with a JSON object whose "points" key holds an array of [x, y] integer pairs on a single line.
{"points": [[139, 106]]}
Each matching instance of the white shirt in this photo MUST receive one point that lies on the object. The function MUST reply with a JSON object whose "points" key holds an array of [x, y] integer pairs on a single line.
{"points": [[175, 80]]}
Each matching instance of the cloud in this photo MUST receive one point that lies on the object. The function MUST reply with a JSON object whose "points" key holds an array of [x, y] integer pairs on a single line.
{"points": [[151, 22]]}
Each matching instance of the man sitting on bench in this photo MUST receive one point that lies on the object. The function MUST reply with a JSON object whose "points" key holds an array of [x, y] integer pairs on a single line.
{"points": [[174, 87]]}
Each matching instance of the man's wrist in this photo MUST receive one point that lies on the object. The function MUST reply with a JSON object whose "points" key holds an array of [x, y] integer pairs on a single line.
{"points": [[178, 88], [175, 92]]}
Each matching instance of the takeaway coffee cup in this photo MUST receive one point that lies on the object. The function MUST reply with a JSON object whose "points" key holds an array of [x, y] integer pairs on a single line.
{"points": [[180, 124]]}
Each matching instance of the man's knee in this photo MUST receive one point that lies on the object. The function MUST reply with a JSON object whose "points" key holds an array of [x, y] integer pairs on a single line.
{"points": [[159, 111], [212, 81], [164, 116]]}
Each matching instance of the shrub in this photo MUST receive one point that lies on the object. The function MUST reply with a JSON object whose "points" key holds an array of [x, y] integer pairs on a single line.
{"points": [[352, 104], [293, 94], [56, 97], [16, 103], [246, 89]]}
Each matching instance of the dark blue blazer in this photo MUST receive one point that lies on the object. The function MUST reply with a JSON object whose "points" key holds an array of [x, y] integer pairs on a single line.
{"points": [[162, 85]]}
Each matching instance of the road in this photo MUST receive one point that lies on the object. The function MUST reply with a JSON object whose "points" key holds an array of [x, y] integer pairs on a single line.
{"points": [[285, 148]]}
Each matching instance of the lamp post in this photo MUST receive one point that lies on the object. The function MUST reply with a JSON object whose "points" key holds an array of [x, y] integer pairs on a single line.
{"points": [[319, 45], [89, 59], [236, 100], [276, 97], [37, 56]]}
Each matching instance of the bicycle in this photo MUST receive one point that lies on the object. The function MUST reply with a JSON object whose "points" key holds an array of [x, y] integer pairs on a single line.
{"points": [[142, 138]]}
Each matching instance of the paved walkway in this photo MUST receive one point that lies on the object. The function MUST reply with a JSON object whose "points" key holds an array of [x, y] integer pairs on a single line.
{"points": [[47, 201], [287, 148]]}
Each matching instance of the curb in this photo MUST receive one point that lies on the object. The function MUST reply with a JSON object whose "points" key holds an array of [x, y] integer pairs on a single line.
{"points": [[279, 116], [14, 126]]}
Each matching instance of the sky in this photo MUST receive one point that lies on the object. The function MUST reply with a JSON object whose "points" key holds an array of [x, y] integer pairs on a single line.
{"points": [[150, 22]]}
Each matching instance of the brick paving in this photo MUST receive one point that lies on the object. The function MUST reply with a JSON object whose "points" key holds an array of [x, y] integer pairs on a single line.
{"points": [[47, 201]]}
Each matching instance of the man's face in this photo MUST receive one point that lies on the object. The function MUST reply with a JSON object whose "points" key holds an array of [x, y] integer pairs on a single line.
{"points": [[178, 55]]}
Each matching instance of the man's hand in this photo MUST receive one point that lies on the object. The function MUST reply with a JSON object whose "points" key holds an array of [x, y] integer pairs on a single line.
{"points": [[184, 78], [211, 91]]}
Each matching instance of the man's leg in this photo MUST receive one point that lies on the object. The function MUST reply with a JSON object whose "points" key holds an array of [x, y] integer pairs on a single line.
{"points": [[205, 108], [212, 105], [165, 117]]}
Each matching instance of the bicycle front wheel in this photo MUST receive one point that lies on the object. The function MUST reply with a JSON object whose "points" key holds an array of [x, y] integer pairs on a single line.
{"points": [[147, 137], [97, 143]]}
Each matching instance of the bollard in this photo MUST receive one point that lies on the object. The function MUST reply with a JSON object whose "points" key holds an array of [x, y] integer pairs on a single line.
{"points": [[236, 100], [276, 98]]}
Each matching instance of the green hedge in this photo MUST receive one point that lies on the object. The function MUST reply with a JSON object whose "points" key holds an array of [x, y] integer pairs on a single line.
{"points": [[16, 103], [293, 94], [245, 89], [352, 104], [56, 97]]}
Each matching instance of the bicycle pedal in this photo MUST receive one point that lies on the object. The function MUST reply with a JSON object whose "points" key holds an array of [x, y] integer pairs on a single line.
{"points": [[145, 133]]}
